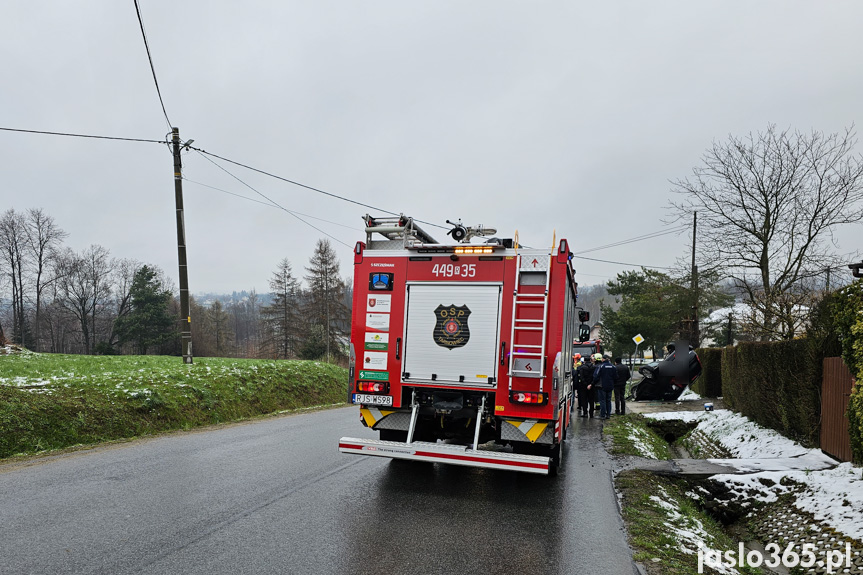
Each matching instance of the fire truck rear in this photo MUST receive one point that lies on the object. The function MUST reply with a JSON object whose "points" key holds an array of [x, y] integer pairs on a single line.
{"points": [[461, 353]]}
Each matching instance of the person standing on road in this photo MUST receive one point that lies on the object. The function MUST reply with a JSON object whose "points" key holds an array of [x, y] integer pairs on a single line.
{"points": [[576, 363], [623, 375], [586, 392], [604, 378]]}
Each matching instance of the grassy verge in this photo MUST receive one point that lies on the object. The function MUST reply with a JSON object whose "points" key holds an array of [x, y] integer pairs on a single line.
{"points": [[665, 525], [51, 401], [631, 436]]}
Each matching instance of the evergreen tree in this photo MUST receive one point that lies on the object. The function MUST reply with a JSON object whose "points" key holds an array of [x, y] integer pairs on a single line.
{"points": [[281, 318], [314, 345], [148, 322], [325, 305], [655, 305]]}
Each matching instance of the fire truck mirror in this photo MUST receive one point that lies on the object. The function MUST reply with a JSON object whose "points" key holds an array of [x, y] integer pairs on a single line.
{"points": [[583, 316], [583, 332]]}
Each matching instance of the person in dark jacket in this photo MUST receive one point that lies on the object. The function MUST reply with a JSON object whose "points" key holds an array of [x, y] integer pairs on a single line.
{"points": [[586, 393], [623, 375], [576, 363], [604, 378]]}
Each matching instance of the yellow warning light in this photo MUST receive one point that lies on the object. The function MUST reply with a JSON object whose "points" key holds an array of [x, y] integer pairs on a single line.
{"points": [[473, 250]]}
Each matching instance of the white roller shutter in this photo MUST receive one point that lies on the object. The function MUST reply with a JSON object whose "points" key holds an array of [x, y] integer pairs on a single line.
{"points": [[452, 332]]}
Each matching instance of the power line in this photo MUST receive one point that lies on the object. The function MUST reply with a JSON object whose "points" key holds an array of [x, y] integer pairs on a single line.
{"points": [[150, 58], [354, 228], [622, 263], [636, 239], [274, 203], [579, 274], [84, 136], [204, 152], [310, 187]]}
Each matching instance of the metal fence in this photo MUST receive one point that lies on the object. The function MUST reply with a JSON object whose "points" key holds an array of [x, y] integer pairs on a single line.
{"points": [[835, 393]]}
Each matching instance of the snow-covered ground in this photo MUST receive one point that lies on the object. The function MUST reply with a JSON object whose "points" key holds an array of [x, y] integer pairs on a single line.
{"points": [[690, 532], [688, 395], [834, 496]]}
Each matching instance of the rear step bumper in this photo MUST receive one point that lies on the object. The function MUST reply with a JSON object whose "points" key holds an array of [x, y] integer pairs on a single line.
{"points": [[446, 453]]}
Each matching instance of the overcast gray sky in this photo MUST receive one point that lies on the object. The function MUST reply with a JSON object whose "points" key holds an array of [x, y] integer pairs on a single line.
{"points": [[537, 116]]}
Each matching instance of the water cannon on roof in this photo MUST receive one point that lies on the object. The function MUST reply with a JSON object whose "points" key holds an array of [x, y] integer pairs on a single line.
{"points": [[463, 234]]}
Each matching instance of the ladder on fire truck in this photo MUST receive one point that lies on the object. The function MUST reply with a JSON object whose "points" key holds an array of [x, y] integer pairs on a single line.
{"points": [[521, 326]]}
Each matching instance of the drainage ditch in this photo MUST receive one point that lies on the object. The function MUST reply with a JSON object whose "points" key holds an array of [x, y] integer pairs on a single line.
{"points": [[742, 516]]}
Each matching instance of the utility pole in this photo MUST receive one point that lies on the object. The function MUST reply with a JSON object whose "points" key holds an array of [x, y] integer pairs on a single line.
{"points": [[695, 335], [185, 320]]}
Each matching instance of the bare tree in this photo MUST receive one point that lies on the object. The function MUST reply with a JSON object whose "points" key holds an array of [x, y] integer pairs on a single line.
{"points": [[202, 334], [58, 325], [43, 239], [246, 324], [84, 288], [3, 340], [767, 207], [219, 322], [121, 279], [12, 247]]}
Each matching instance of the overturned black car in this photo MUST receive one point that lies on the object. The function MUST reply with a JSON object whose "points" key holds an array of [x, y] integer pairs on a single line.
{"points": [[665, 380]]}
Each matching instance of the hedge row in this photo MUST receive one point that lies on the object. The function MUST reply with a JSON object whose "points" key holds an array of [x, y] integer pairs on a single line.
{"points": [[709, 384], [847, 313], [855, 418], [777, 384]]}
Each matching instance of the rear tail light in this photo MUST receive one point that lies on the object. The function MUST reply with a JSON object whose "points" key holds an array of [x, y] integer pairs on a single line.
{"points": [[373, 386], [528, 397]]}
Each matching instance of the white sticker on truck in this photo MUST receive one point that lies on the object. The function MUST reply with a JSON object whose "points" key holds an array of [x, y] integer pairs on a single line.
{"points": [[379, 302], [375, 360], [379, 321]]}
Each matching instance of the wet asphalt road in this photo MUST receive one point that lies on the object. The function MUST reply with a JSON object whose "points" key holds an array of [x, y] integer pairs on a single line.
{"points": [[276, 496]]}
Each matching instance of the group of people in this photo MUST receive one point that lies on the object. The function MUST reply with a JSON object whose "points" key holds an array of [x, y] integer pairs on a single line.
{"points": [[595, 378]]}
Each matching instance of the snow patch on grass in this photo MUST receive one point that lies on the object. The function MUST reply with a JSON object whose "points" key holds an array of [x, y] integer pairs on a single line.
{"points": [[740, 436], [641, 441], [689, 532], [834, 496]]}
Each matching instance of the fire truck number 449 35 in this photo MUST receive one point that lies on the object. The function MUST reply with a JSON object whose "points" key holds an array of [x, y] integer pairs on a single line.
{"points": [[454, 270]]}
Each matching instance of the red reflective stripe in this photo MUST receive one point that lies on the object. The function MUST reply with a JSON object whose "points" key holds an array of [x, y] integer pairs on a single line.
{"points": [[461, 457], [482, 460]]}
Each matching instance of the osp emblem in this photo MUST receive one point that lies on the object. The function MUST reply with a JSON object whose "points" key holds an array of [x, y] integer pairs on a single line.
{"points": [[451, 330]]}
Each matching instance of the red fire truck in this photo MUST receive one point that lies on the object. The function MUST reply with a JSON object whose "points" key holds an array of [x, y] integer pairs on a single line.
{"points": [[461, 353], [586, 348]]}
